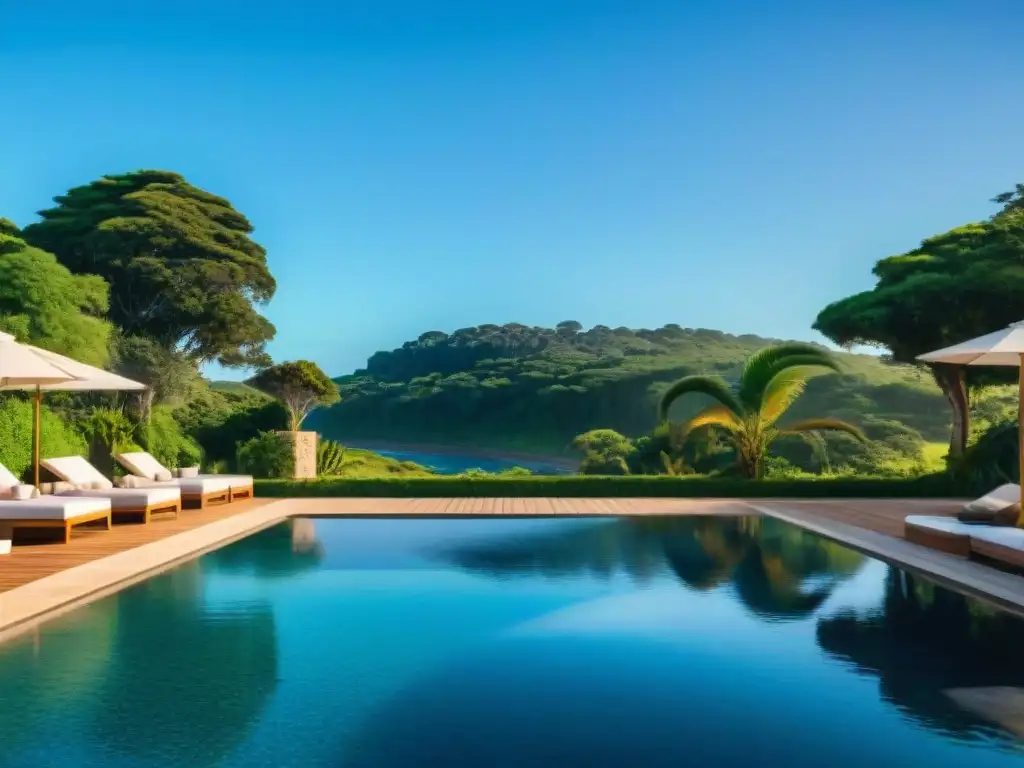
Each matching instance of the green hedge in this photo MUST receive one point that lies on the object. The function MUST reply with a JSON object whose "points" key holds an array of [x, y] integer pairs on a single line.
{"points": [[930, 486]]}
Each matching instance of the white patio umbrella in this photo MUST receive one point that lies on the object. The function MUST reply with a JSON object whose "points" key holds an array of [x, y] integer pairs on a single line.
{"points": [[25, 367], [1004, 347]]}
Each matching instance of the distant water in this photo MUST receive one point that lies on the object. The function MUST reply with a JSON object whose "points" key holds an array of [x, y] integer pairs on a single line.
{"points": [[447, 464]]}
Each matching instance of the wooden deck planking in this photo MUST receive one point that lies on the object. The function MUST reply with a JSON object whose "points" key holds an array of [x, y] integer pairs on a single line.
{"points": [[878, 515], [30, 561]]}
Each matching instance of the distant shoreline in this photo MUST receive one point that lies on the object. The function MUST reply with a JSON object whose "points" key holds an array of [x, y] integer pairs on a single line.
{"points": [[464, 451]]}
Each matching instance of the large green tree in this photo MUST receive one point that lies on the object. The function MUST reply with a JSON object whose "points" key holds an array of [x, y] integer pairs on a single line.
{"points": [[43, 303], [963, 283], [180, 262], [748, 415]]}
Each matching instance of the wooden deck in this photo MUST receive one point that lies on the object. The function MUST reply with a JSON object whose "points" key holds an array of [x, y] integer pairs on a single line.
{"points": [[878, 515], [29, 561]]}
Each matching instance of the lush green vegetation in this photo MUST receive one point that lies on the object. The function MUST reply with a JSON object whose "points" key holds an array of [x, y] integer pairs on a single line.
{"points": [[584, 486], [596, 392], [536, 389], [153, 277], [747, 418]]}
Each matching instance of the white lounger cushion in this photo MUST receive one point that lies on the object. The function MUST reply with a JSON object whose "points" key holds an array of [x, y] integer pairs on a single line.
{"points": [[130, 498], [144, 465], [944, 524], [1003, 535], [78, 471], [208, 484], [51, 508], [993, 501]]}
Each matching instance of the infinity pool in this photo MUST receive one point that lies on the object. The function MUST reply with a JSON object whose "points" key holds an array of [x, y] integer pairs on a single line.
{"points": [[513, 642]]}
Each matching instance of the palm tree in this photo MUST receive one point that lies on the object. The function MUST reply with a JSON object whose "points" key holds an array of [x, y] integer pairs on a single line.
{"points": [[772, 379]]}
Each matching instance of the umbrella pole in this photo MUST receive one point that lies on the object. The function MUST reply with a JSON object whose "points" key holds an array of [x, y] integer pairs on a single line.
{"points": [[1020, 421], [37, 432]]}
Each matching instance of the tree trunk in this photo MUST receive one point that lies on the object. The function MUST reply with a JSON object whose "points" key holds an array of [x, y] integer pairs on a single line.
{"points": [[951, 380]]}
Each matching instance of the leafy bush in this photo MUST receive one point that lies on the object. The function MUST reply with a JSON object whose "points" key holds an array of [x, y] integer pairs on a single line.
{"points": [[992, 460], [330, 455], [605, 452], [269, 455], [164, 438], [58, 438], [221, 421], [569, 486]]}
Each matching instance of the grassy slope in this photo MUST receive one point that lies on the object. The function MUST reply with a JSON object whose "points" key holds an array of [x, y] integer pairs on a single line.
{"points": [[360, 464]]}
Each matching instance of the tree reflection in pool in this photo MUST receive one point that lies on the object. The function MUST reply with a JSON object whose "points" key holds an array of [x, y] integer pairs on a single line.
{"points": [[779, 572]]}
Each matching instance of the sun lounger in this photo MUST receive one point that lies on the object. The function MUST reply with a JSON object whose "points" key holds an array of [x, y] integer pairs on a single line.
{"points": [[1005, 545], [998, 507], [206, 489], [126, 503], [946, 534], [44, 511]]}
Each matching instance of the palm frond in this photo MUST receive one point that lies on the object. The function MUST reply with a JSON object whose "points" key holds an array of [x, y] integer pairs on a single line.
{"points": [[784, 388], [815, 425], [713, 386], [714, 415], [762, 366]]}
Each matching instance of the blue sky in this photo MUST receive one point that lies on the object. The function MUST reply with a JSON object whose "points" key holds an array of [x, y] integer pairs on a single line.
{"points": [[413, 166]]}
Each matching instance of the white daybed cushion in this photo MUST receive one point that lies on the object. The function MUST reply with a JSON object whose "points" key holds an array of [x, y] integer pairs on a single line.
{"points": [[944, 524], [51, 508], [233, 480], [78, 471], [999, 534], [207, 484], [131, 498], [993, 501], [142, 464]]}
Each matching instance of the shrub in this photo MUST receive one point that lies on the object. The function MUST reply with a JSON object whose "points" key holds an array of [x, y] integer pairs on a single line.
{"points": [[269, 455], [992, 460], [164, 438], [584, 486], [330, 455], [58, 438]]}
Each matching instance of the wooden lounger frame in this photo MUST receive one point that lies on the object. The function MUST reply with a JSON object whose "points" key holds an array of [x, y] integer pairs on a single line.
{"points": [[241, 492], [214, 498], [958, 544], [204, 500], [67, 524], [169, 509]]}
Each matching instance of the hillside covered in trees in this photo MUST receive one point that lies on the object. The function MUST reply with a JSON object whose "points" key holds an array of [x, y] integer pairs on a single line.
{"points": [[530, 388]]}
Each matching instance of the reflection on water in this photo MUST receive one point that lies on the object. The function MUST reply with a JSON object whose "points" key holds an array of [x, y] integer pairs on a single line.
{"points": [[778, 571], [503, 642], [924, 641]]}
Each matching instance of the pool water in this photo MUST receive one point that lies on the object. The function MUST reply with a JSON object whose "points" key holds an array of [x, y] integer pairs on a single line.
{"points": [[516, 642]]}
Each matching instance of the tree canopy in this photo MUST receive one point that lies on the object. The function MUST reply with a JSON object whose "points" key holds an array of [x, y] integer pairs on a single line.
{"points": [[536, 389], [43, 303], [180, 262], [300, 386], [963, 283]]}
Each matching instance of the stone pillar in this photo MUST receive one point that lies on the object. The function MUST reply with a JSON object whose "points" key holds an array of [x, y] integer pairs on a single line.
{"points": [[304, 445]]}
